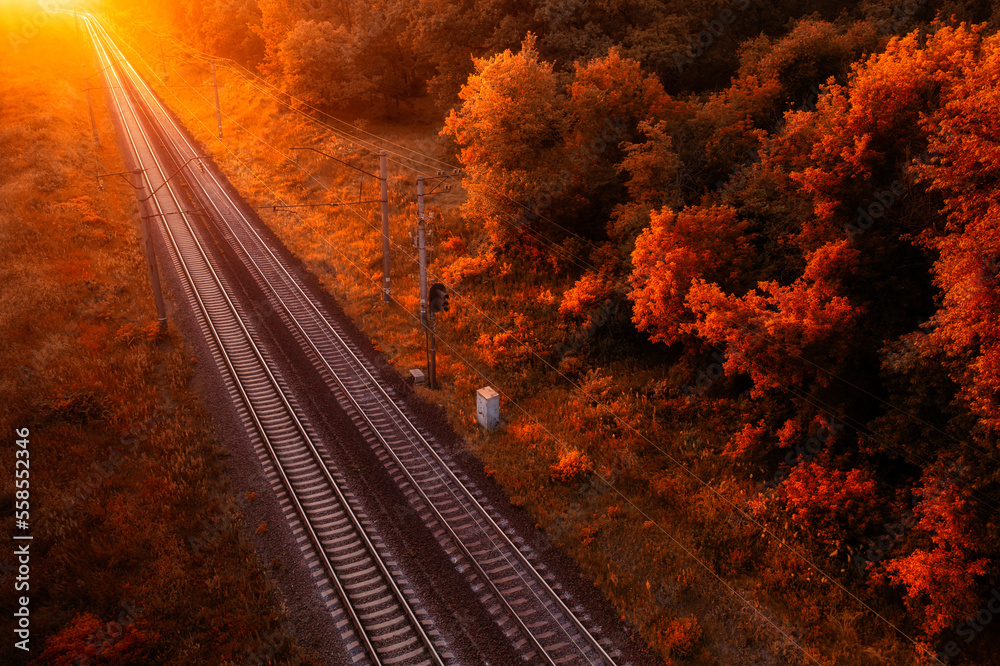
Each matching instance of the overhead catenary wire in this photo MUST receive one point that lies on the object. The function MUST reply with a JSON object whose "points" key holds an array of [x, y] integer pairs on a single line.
{"points": [[272, 381], [531, 234], [276, 194], [790, 391], [277, 198], [905, 454], [262, 83], [540, 238]]}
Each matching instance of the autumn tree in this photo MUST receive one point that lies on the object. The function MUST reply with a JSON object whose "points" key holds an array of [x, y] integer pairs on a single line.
{"points": [[229, 28], [777, 333], [612, 102], [317, 61], [510, 130], [832, 505], [963, 164], [278, 17], [678, 249], [536, 149], [940, 575], [653, 171]]}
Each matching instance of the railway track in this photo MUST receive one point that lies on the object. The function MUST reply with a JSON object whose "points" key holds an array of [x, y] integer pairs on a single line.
{"points": [[375, 611], [381, 617]]}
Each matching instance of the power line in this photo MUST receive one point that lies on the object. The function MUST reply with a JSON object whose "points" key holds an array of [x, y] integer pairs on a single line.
{"points": [[263, 82], [641, 435]]}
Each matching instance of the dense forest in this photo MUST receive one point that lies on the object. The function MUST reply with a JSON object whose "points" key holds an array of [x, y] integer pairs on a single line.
{"points": [[790, 207]]}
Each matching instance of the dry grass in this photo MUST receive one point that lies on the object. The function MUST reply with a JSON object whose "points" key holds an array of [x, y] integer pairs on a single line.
{"points": [[641, 525], [124, 467]]}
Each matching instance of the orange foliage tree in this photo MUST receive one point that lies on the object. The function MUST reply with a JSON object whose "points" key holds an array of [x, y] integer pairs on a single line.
{"points": [[767, 332], [677, 250], [940, 578], [964, 165], [529, 143], [830, 504], [509, 129]]}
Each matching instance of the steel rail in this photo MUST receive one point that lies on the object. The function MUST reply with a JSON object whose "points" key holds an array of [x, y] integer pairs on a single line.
{"points": [[317, 543], [409, 428]]}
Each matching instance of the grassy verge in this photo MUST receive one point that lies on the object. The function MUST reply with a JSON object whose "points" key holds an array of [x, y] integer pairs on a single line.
{"points": [[136, 554], [600, 445]]}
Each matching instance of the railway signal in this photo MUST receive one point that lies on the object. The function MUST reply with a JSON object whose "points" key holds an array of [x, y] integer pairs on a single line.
{"points": [[438, 298]]}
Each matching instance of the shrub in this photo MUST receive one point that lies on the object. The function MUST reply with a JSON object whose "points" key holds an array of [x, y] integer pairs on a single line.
{"points": [[680, 636], [830, 503], [572, 465]]}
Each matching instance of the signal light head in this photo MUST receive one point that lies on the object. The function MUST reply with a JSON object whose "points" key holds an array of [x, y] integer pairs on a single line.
{"points": [[438, 298]]}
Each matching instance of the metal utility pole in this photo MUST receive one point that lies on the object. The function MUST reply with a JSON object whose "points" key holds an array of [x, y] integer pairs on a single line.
{"points": [[385, 226], [90, 105], [154, 274], [431, 353], [426, 318], [218, 109], [422, 250], [163, 61]]}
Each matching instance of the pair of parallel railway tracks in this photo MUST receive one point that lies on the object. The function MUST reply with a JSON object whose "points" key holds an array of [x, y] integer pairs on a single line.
{"points": [[379, 615]]}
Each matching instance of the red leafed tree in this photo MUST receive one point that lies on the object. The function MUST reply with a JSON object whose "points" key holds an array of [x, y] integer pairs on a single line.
{"points": [[613, 93], [861, 127], [829, 503], [965, 168], [767, 332], [940, 579], [677, 249], [583, 298], [89, 640], [652, 166], [609, 102]]}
